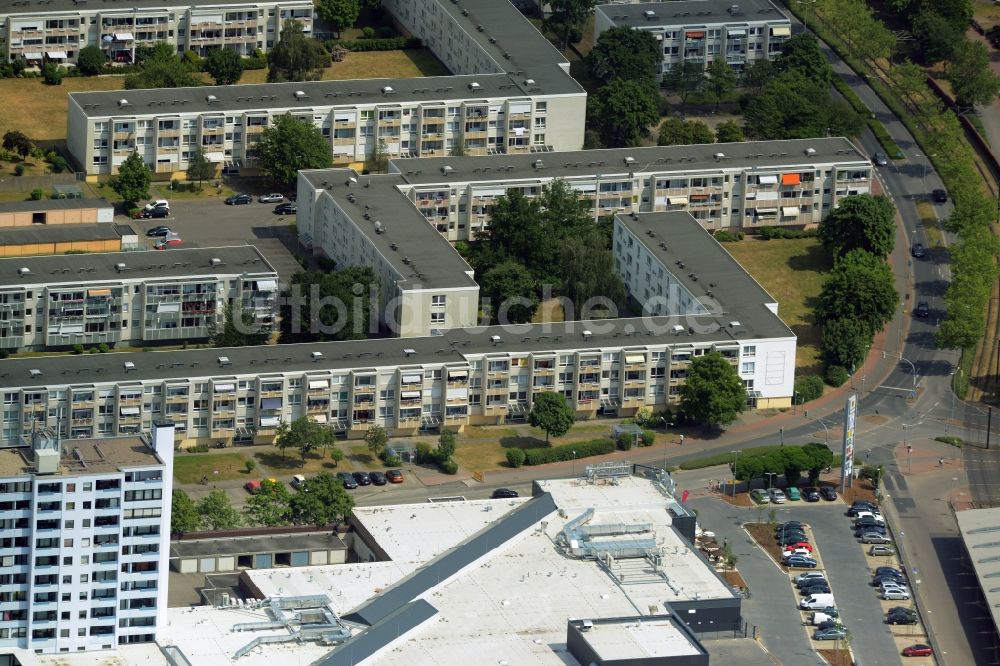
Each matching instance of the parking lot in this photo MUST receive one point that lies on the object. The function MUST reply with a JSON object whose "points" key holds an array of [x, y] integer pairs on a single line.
{"points": [[211, 223]]}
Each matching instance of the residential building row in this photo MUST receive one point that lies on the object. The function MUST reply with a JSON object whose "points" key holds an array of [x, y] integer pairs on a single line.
{"points": [[462, 376], [740, 31], [509, 86], [85, 540], [723, 186], [38, 31], [130, 298]]}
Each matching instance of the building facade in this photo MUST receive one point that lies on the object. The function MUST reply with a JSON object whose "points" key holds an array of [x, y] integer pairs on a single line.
{"points": [[499, 102], [85, 541], [700, 31], [723, 186], [47, 31], [139, 297]]}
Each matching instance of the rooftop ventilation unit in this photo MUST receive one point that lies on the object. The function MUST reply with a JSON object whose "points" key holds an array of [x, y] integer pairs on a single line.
{"points": [[35, 372], [224, 361], [447, 169], [529, 82], [409, 352], [474, 86], [677, 329], [719, 157], [129, 366], [122, 103], [406, 260], [810, 152], [299, 94], [387, 90], [628, 160], [587, 334], [734, 9], [316, 356], [481, 28], [495, 339], [649, 14], [734, 324], [24, 270], [215, 261], [211, 98], [119, 267], [538, 164], [379, 229]]}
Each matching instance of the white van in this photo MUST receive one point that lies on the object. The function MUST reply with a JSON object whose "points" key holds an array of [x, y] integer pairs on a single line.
{"points": [[297, 481], [817, 601], [819, 618]]}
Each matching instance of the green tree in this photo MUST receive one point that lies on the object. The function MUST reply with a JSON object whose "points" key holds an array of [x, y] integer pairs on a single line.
{"points": [[340, 14], [184, 516], [795, 461], [861, 222], [225, 66], [217, 511], [968, 70], [505, 282], [238, 329], [319, 307], [288, 145], [568, 16], [674, 132], [801, 53], [936, 36], [793, 106], [845, 342], [685, 78], [375, 439], [161, 73], [200, 168], [590, 277], [446, 444], [269, 506], [157, 51], [551, 413], [623, 111], [90, 60], [721, 79], [625, 53], [818, 457], [18, 142], [304, 434], [700, 132], [713, 393], [52, 74], [321, 501], [859, 287], [295, 57], [757, 74], [379, 162], [132, 180], [729, 131]]}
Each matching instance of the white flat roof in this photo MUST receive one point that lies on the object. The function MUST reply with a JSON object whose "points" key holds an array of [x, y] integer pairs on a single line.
{"points": [[980, 530], [146, 654], [636, 639]]}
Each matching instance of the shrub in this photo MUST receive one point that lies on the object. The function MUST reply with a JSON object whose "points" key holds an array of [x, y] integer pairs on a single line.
{"points": [[770, 233], [52, 74], [425, 453], [4, 353], [37, 194], [250, 465], [368, 32], [809, 387], [389, 44], [625, 441], [836, 375], [201, 448], [515, 457], [195, 61], [78, 348], [729, 236], [19, 170], [953, 441], [92, 350], [595, 447], [648, 438], [103, 348], [449, 466], [392, 461]]}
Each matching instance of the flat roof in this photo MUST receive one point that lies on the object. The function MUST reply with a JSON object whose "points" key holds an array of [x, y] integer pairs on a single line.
{"points": [[58, 233], [422, 256], [183, 264], [789, 153], [49, 6], [636, 638], [147, 654], [256, 544], [980, 530], [52, 204], [692, 12], [82, 457]]}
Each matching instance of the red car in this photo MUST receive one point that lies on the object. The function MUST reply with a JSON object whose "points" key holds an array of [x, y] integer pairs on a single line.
{"points": [[800, 544], [394, 476], [918, 650], [168, 241]]}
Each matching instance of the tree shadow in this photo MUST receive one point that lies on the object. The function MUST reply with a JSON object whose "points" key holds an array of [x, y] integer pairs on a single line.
{"points": [[522, 443], [814, 258], [361, 458], [274, 460]]}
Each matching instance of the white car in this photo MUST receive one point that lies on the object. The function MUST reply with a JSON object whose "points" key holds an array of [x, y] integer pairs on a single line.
{"points": [[158, 203], [297, 481], [797, 551], [877, 516]]}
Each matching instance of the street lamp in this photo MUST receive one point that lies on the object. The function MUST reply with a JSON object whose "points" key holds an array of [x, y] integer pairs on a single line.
{"points": [[913, 369], [736, 457], [781, 434], [770, 479], [574, 464], [795, 402]]}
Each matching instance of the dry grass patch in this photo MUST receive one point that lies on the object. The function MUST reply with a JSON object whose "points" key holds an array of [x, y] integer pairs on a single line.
{"points": [[408, 63], [841, 657], [292, 463], [792, 271], [550, 310], [39, 110], [191, 467], [929, 221]]}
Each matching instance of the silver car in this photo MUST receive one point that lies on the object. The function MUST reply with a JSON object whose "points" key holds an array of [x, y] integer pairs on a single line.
{"points": [[881, 550], [273, 197], [875, 537]]}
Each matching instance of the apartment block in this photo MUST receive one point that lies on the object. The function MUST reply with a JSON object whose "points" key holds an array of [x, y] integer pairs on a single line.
{"points": [[499, 102], [702, 30], [40, 31], [469, 375], [791, 183], [426, 287], [138, 297], [85, 543]]}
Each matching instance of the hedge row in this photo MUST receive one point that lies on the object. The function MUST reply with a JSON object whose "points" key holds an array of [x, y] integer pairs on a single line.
{"points": [[726, 458], [389, 44], [891, 147], [595, 447], [770, 233]]}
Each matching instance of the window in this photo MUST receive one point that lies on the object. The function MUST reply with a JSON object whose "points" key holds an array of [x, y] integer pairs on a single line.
{"points": [[437, 317], [749, 351], [438, 301], [747, 367]]}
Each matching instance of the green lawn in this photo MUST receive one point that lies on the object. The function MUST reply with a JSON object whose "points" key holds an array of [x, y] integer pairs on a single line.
{"points": [[191, 467], [792, 271]]}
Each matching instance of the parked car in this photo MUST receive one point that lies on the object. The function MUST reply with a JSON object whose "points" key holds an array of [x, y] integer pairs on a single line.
{"points": [[918, 650], [865, 529], [861, 505], [791, 523], [791, 539], [239, 200], [760, 496], [793, 494], [869, 517], [791, 535], [892, 571], [800, 562], [918, 251], [362, 478], [378, 478], [347, 480], [895, 594], [828, 493], [881, 550], [879, 159], [796, 551], [810, 494], [503, 493], [827, 624], [168, 241], [159, 232], [272, 197], [939, 196], [901, 617], [874, 537], [815, 588], [157, 203], [394, 476], [831, 634], [155, 213], [802, 544], [297, 481], [286, 209], [922, 310], [803, 578], [777, 496], [892, 585], [252, 486], [817, 602], [887, 578]]}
